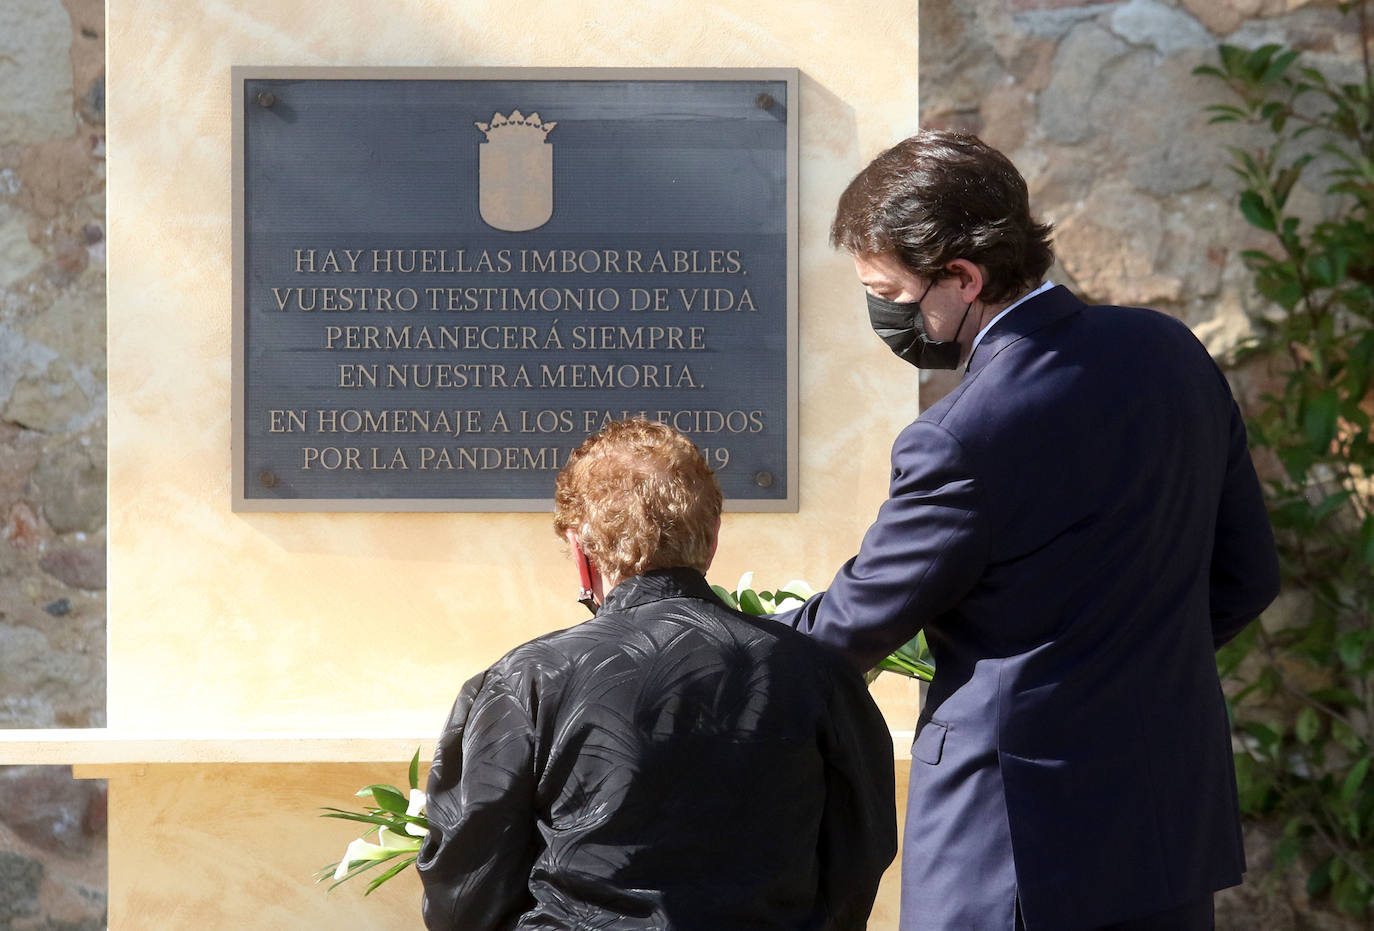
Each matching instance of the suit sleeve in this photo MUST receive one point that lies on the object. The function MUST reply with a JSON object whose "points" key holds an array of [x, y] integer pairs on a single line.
{"points": [[925, 551], [1245, 567], [475, 863], [858, 834]]}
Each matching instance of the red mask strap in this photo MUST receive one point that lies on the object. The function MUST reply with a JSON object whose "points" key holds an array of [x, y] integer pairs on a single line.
{"points": [[586, 596]]}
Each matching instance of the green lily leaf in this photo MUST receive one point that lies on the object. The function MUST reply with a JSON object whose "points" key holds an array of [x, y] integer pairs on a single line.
{"points": [[388, 798]]}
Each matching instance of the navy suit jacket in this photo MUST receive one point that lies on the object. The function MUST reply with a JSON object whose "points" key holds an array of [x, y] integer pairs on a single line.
{"points": [[1077, 527]]}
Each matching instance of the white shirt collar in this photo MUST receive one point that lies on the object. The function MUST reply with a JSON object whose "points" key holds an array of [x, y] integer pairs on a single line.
{"points": [[1008, 309]]}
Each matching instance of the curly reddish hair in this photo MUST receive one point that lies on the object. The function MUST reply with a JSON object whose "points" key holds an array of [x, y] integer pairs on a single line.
{"points": [[641, 497]]}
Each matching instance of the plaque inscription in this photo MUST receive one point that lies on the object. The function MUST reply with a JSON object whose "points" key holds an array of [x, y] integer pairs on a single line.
{"points": [[446, 279]]}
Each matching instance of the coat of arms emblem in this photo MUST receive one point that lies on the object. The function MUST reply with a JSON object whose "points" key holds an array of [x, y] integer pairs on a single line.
{"points": [[515, 167]]}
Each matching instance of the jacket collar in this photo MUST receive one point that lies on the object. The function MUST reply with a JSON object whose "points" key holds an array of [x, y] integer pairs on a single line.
{"points": [[656, 585], [1040, 311]]}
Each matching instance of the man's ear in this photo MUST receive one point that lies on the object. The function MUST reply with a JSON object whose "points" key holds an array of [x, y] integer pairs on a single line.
{"points": [[969, 278]]}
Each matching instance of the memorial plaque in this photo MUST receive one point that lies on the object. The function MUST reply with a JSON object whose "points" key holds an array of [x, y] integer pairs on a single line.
{"points": [[445, 279]]}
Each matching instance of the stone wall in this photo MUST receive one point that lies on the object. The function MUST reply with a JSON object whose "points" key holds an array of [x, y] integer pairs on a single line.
{"points": [[1097, 105], [52, 451], [52, 364]]}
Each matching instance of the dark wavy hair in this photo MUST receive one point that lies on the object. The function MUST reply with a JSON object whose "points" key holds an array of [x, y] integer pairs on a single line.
{"points": [[940, 196]]}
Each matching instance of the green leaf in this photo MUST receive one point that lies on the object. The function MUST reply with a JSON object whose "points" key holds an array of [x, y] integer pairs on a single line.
{"points": [[393, 871], [1351, 895], [1256, 212], [1366, 551], [1268, 682], [1354, 779], [1287, 851], [1329, 505], [1222, 109], [727, 597], [1322, 270], [1252, 784], [1347, 738], [749, 602], [1336, 697], [1283, 184], [1278, 66], [360, 866], [1308, 725], [1350, 647], [388, 798], [1255, 259], [1268, 738], [1319, 880], [1230, 656], [1319, 415], [1257, 62], [415, 770], [1232, 59], [359, 817]]}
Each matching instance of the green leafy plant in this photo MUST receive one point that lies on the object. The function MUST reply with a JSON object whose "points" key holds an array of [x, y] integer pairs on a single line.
{"points": [[1301, 685], [399, 823], [912, 659]]}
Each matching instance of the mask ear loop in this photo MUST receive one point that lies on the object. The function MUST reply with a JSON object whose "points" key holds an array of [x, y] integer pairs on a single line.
{"points": [[586, 597]]}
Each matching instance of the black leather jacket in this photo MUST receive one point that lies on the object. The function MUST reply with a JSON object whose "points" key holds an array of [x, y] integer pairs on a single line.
{"points": [[670, 764]]}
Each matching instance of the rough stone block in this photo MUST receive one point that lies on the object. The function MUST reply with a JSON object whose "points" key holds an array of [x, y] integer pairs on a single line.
{"points": [[1148, 22], [57, 174], [20, 880], [78, 567], [51, 400], [37, 80], [18, 256], [46, 807], [1055, 23], [71, 481], [1078, 75], [1109, 245]]}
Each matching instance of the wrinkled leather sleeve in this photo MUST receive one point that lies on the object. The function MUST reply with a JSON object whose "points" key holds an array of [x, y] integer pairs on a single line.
{"points": [[475, 863], [858, 836]]}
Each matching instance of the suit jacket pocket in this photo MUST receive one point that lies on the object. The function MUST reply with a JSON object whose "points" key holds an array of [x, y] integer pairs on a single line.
{"points": [[930, 741]]}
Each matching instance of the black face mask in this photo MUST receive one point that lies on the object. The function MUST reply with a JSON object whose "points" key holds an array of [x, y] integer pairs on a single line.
{"points": [[900, 325]]}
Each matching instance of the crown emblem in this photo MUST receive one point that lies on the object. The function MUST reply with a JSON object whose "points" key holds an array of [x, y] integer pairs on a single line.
{"points": [[516, 127]]}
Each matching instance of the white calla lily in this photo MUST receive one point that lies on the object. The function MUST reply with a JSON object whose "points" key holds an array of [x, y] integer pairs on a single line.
{"points": [[415, 810], [357, 850], [797, 587], [390, 840], [787, 604], [746, 582]]}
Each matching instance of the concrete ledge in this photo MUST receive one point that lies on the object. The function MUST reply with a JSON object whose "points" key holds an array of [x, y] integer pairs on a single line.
{"points": [[98, 746], [61, 746]]}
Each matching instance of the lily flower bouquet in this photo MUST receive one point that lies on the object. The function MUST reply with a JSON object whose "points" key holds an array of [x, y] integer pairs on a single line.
{"points": [[398, 818], [399, 822]]}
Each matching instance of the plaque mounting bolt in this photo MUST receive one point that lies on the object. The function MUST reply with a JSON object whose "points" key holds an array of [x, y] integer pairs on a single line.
{"points": [[763, 479], [267, 479], [764, 101], [266, 99]]}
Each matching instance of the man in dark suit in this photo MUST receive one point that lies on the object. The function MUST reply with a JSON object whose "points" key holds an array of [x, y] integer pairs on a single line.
{"points": [[1076, 526], [671, 764]]}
